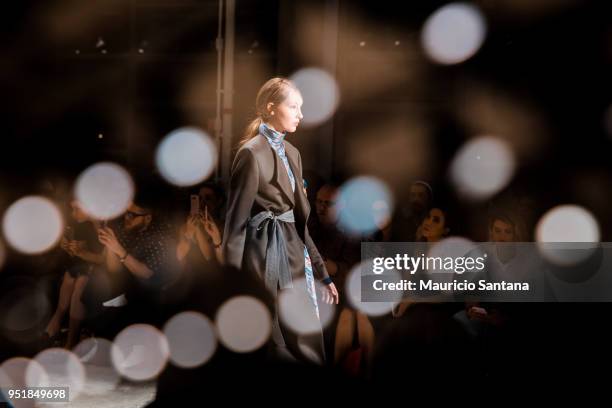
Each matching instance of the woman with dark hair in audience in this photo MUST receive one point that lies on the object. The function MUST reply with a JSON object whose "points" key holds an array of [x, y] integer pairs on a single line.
{"points": [[423, 337]]}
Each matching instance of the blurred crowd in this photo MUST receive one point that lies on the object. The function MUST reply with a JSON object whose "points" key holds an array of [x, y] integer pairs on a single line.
{"points": [[159, 259]]}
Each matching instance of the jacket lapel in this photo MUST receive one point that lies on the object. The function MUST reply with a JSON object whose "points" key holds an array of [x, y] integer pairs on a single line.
{"points": [[297, 173], [301, 207], [282, 178]]}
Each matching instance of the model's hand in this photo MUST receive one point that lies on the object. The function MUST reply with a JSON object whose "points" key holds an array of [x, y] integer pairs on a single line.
{"points": [[330, 294]]}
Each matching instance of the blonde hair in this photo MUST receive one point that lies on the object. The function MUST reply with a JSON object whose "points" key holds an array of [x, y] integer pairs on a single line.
{"points": [[275, 91]]}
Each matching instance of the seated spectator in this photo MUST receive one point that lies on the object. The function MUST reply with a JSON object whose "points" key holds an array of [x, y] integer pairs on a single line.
{"points": [[138, 266], [201, 229], [432, 229], [81, 243], [408, 218], [200, 256], [507, 262], [423, 334], [352, 330]]}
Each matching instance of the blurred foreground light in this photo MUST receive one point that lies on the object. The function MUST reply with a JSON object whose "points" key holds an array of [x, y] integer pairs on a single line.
{"points": [[140, 353], [354, 290], [243, 324], [32, 225], [482, 167], [61, 369], [100, 375], [295, 306], [451, 247], [13, 375], [365, 205], [13, 372], [186, 156], [104, 190], [191, 338], [320, 93], [574, 230], [454, 33]]}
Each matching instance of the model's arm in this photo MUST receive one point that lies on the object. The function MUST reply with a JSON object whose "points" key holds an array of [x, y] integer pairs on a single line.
{"points": [[318, 265], [244, 184]]}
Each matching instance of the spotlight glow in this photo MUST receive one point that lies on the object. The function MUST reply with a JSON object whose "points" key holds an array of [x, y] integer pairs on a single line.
{"points": [[140, 353], [104, 190], [353, 290], [573, 227], [482, 167], [243, 324], [95, 355], [13, 375], [365, 204], [12, 372], [568, 223], [61, 369], [454, 33], [191, 338], [320, 93], [453, 247], [186, 156], [32, 225], [294, 306]]}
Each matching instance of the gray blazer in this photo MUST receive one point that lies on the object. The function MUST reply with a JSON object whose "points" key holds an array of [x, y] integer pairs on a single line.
{"points": [[259, 182]]}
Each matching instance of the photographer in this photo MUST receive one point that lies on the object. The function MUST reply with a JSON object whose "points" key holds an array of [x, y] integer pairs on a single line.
{"points": [[202, 231]]}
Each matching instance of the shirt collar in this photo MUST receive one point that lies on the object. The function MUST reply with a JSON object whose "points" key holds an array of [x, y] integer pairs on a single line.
{"points": [[271, 134]]}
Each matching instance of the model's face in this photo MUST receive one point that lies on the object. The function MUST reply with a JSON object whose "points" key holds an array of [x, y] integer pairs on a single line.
{"points": [[433, 226], [286, 116], [502, 231]]}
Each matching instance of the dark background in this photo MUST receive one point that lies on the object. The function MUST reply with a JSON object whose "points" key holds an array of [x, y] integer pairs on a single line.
{"points": [[549, 62], [155, 70]]}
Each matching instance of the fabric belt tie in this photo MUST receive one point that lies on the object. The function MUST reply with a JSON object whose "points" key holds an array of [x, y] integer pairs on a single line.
{"points": [[278, 273]]}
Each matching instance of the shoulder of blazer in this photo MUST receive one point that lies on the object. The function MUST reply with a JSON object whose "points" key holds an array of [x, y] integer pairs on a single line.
{"points": [[256, 144]]}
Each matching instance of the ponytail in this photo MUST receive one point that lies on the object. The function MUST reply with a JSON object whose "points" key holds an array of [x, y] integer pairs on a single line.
{"points": [[251, 130]]}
